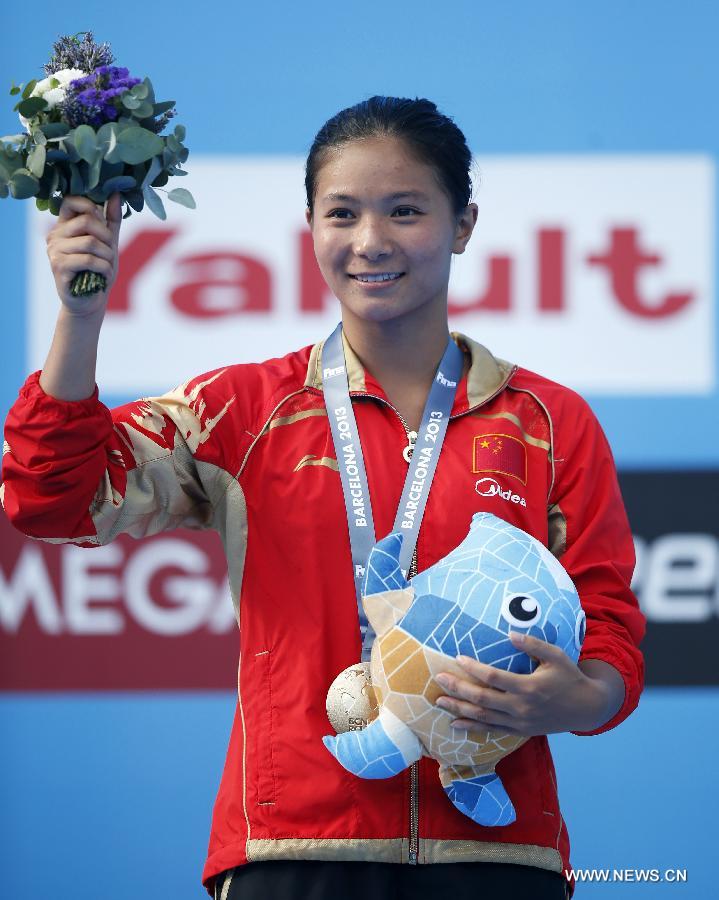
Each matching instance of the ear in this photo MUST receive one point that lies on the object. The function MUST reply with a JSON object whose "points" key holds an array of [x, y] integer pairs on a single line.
{"points": [[465, 226], [308, 216]]}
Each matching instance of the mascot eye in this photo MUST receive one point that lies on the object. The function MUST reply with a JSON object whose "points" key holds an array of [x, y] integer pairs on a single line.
{"points": [[580, 629], [520, 610]]}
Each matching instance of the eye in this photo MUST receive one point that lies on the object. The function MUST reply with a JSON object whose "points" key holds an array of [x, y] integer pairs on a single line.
{"points": [[339, 214], [521, 610], [580, 629], [407, 212]]}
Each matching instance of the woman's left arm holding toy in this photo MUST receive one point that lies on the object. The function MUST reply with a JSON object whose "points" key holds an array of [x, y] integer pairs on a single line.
{"points": [[590, 535]]}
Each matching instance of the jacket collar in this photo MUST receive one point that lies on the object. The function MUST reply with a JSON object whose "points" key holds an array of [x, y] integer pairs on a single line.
{"points": [[487, 374]]}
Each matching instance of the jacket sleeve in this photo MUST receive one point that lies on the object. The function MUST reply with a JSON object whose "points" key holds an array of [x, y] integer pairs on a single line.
{"points": [[590, 534], [75, 471]]}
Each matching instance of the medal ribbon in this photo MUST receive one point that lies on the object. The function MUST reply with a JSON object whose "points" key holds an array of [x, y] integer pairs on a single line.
{"points": [[353, 475]]}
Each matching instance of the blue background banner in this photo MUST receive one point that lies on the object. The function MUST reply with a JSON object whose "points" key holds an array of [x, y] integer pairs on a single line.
{"points": [[109, 795]]}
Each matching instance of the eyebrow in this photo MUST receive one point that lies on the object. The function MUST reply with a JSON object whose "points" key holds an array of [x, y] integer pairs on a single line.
{"points": [[398, 195]]}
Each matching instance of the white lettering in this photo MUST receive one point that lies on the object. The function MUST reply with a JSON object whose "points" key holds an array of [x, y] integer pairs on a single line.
{"points": [[676, 576], [488, 487], [81, 587], [29, 587], [193, 596]]}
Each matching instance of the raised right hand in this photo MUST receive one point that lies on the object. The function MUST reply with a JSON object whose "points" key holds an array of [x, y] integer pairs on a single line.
{"points": [[82, 239]]}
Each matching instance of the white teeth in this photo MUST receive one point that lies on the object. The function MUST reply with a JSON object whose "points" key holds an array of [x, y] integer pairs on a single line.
{"points": [[389, 276]]}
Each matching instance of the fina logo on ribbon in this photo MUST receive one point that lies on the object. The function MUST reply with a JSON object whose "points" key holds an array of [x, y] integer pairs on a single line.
{"points": [[333, 373], [445, 381]]}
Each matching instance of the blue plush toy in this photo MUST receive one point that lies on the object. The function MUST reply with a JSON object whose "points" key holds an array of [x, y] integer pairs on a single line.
{"points": [[498, 579]]}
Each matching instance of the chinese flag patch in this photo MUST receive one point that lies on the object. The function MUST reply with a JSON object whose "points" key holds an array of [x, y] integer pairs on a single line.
{"points": [[501, 454]]}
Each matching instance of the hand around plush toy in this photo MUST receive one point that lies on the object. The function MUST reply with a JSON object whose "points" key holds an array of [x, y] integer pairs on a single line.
{"points": [[558, 696]]}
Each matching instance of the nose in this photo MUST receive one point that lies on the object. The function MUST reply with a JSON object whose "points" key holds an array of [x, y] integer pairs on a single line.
{"points": [[371, 240]]}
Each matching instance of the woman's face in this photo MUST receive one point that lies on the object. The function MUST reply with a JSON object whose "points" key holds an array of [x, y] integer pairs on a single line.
{"points": [[384, 231]]}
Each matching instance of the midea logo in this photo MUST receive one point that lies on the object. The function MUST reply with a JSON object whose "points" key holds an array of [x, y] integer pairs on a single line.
{"points": [[488, 487]]}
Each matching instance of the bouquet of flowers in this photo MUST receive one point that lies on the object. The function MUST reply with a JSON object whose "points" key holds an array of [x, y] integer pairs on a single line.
{"points": [[91, 130]]}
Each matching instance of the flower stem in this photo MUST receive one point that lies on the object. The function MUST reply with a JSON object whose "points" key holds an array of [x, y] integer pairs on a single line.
{"points": [[86, 283]]}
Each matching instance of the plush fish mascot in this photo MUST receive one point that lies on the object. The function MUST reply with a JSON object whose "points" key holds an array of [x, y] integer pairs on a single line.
{"points": [[498, 579]]}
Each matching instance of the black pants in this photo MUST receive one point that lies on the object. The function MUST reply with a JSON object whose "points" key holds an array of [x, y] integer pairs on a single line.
{"points": [[313, 880]]}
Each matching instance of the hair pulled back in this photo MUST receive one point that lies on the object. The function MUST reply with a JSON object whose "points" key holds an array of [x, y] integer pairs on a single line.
{"points": [[431, 136]]}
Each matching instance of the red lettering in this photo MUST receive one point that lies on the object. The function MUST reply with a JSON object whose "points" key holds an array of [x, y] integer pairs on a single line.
{"points": [[134, 257], [623, 260], [223, 284], [550, 247], [314, 293], [497, 296]]}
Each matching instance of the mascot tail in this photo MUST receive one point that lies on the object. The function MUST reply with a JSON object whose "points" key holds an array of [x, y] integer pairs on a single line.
{"points": [[482, 798], [384, 748]]}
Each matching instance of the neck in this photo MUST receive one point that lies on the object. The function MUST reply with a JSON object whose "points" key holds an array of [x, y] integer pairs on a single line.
{"points": [[403, 358], [396, 350]]}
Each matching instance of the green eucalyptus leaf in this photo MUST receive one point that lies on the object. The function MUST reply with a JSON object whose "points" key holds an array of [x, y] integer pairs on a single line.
{"points": [[165, 106], [140, 91], [3, 190], [161, 179], [154, 202], [13, 138], [67, 146], [111, 170], [29, 88], [136, 145], [130, 102], [150, 90], [55, 203], [42, 203], [184, 154], [93, 176], [31, 107], [85, 141], [153, 171], [54, 130], [14, 91], [77, 183], [143, 111], [135, 199], [180, 132], [97, 195], [39, 137], [57, 156], [23, 184], [174, 144], [36, 160], [121, 183], [106, 138], [182, 196], [54, 180]]}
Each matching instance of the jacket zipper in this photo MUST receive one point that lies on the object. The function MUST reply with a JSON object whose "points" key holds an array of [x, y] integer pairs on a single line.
{"points": [[413, 775], [414, 768]]}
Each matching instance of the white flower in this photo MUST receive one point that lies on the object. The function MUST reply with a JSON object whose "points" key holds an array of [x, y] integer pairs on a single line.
{"points": [[54, 97], [52, 89], [65, 76]]}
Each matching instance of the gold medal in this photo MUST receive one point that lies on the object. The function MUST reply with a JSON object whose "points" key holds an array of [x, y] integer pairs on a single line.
{"points": [[351, 702]]}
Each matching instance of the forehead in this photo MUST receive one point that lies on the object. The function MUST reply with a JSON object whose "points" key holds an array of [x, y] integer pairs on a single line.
{"points": [[374, 166]]}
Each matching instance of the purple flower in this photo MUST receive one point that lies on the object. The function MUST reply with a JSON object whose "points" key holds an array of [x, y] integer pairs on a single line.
{"points": [[92, 100]]}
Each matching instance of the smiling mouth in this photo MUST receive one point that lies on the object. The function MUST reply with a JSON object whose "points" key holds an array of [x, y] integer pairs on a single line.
{"points": [[380, 277]]}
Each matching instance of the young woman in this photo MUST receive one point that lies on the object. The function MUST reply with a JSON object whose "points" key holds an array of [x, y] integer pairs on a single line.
{"points": [[249, 450]]}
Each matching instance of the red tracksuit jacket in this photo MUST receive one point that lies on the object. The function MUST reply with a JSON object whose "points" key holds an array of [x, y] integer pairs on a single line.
{"points": [[247, 450]]}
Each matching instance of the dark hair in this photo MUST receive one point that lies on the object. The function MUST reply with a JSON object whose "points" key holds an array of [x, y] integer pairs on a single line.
{"points": [[430, 135]]}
